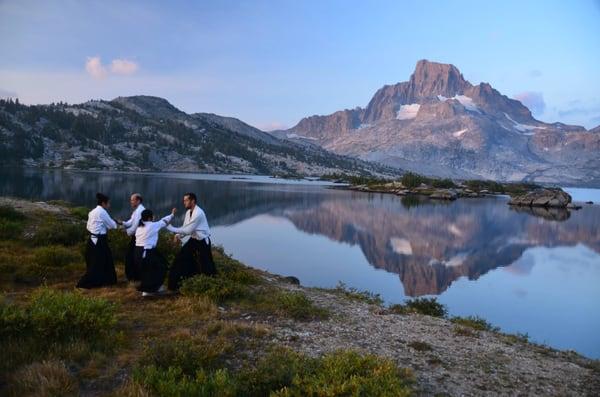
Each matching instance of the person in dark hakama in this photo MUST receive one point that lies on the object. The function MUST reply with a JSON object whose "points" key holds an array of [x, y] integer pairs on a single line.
{"points": [[151, 263], [132, 272], [195, 256], [100, 269]]}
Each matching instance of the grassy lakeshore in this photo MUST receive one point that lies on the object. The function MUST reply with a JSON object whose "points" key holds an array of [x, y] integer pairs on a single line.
{"points": [[243, 333]]}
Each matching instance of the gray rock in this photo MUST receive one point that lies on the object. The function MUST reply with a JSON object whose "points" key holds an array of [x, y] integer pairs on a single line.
{"points": [[554, 198], [444, 194]]}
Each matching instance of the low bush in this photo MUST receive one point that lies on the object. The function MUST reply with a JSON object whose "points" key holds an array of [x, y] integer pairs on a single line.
{"points": [[297, 306], [58, 232], [218, 288], [56, 256], [8, 213], [355, 294], [53, 316], [80, 212], [47, 378], [427, 306], [475, 322], [11, 223]]}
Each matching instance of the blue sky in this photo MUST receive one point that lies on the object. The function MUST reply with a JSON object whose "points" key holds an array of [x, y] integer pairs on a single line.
{"points": [[271, 63]]}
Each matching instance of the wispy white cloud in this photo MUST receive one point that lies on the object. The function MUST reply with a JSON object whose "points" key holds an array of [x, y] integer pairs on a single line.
{"points": [[94, 67], [123, 66]]}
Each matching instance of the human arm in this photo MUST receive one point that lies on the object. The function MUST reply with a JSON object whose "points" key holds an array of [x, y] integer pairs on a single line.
{"points": [[190, 227], [107, 220]]}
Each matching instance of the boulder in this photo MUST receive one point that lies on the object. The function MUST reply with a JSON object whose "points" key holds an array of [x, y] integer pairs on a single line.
{"points": [[444, 194], [553, 198]]}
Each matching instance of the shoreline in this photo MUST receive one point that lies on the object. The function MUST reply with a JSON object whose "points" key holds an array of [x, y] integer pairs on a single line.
{"points": [[455, 356]]}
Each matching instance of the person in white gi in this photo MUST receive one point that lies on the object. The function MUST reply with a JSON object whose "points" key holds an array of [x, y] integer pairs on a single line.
{"points": [[100, 268], [195, 256], [132, 272]]}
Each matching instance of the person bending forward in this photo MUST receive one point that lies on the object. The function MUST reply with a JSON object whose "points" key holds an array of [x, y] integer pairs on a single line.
{"points": [[152, 264], [100, 269], [195, 256]]}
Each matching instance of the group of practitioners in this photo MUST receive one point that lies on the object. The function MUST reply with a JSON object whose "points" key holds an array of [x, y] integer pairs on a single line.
{"points": [[145, 266]]}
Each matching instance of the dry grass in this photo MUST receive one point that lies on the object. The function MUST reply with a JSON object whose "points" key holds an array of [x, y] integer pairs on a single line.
{"points": [[46, 378]]}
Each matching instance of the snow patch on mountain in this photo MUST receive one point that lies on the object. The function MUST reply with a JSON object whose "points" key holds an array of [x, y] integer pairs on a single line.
{"points": [[464, 100], [524, 128], [407, 112], [296, 136], [460, 133]]}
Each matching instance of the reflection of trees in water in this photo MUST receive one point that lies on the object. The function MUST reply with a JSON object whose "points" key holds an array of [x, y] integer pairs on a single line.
{"points": [[428, 244]]}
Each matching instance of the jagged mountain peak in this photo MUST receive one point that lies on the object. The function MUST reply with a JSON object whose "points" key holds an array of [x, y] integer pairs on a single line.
{"points": [[431, 79]]}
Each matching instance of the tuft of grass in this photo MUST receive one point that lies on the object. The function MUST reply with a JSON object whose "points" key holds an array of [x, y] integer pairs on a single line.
{"points": [[464, 331], [46, 378], [426, 306], [475, 322], [355, 294]]}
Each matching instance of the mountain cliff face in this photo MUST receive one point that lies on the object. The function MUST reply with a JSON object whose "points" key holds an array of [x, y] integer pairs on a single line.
{"points": [[438, 123], [148, 133]]}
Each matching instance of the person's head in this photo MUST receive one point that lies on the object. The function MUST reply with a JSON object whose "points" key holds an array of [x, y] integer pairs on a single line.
{"points": [[189, 200], [135, 200], [147, 216], [103, 200]]}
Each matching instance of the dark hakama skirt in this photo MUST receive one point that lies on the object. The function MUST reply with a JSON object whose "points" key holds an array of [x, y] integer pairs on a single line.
{"points": [[100, 269], [132, 269], [153, 268], [195, 257]]}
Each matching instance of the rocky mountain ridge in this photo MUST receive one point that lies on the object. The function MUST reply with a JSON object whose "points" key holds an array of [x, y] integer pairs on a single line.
{"points": [[438, 123], [148, 133]]}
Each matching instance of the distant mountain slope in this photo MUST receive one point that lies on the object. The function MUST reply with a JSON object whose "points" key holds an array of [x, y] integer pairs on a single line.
{"points": [[440, 124], [148, 133]]}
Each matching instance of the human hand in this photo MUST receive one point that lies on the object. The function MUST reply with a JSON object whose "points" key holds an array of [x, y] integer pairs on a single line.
{"points": [[173, 211]]}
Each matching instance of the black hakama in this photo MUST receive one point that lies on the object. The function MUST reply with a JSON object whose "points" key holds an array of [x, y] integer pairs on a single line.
{"points": [[132, 269], [153, 268], [195, 257], [100, 269]]}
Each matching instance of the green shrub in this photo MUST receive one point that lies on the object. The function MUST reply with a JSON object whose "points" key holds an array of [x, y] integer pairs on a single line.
{"points": [[173, 382], [217, 288], [80, 212], [59, 232], [56, 256], [10, 230], [8, 213], [442, 183], [342, 373], [54, 316], [475, 322], [427, 306], [297, 306], [355, 294]]}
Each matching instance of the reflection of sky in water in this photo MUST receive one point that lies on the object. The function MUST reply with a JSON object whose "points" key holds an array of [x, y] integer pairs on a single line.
{"points": [[553, 294], [526, 271]]}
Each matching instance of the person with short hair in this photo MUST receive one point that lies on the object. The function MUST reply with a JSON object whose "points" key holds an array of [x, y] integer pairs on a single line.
{"points": [[195, 256], [132, 272], [152, 265], [100, 268]]}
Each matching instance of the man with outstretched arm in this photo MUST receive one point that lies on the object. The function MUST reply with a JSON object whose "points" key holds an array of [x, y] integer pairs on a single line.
{"points": [[195, 256]]}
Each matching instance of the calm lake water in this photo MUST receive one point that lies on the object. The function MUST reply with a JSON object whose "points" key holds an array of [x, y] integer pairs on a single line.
{"points": [[534, 272]]}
